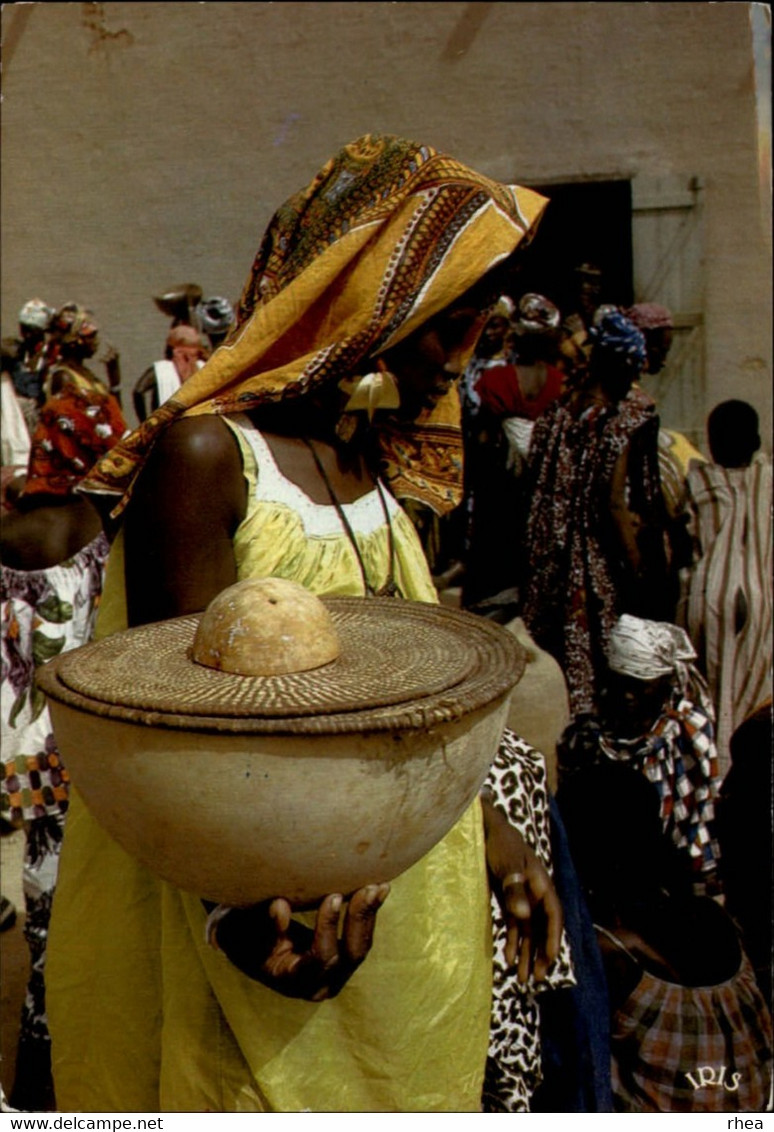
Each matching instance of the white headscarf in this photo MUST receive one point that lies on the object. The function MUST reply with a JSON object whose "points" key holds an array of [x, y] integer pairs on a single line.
{"points": [[647, 650]]}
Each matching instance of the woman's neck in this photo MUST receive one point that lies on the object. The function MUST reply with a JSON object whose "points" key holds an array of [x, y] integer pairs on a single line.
{"points": [[297, 419], [309, 452]]}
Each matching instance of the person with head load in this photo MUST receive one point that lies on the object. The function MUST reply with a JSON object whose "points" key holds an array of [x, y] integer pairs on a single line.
{"points": [[729, 588], [282, 457], [657, 324], [181, 303], [595, 526], [675, 451], [74, 337], [184, 355], [54, 554]]}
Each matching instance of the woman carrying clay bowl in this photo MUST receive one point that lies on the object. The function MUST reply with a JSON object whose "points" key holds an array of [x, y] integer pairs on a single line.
{"points": [[283, 458]]}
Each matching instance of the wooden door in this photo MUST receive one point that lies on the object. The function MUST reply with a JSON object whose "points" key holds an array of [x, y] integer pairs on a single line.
{"points": [[668, 268]]}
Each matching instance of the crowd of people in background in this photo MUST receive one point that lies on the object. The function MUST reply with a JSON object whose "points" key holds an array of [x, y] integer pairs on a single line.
{"points": [[642, 567], [59, 418], [637, 566]]}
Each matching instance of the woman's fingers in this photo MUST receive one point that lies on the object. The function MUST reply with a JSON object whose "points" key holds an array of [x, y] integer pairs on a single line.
{"points": [[361, 920], [332, 960], [517, 900], [279, 912], [511, 942], [325, 948], [267, 944], [517, 916], [547, 900], [555, 922], [534, 921], [525, 955]]}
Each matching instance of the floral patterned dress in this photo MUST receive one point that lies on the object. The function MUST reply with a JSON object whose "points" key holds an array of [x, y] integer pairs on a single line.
{"points": [[43, 613]]}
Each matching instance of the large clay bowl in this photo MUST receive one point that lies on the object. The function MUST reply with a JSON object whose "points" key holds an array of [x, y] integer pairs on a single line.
{"points": [[253, 790]]}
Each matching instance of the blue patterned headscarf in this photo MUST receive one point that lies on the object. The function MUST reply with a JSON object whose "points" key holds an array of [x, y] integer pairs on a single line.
{"points": [[617, 335]]}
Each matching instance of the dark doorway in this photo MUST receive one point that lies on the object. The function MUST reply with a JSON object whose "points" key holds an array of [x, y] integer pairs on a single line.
{"points": [[585, 222]]}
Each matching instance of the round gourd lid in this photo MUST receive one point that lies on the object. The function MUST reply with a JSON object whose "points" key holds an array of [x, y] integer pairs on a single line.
{"points": [[401, 664]]}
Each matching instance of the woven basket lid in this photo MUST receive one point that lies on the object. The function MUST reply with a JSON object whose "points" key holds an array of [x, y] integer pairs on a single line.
{"points": [[402, 664]]}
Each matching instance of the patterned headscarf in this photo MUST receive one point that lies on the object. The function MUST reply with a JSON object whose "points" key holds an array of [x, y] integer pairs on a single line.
{"points": [[650, 316], [385, 236], [73, 324], [75, 428], [537, 315], [617, 335], [647, 650]]}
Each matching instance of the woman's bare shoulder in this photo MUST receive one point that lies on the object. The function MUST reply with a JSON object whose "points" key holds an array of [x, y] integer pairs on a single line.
{"points": [[206, 438], [195, 461], [192, 448]]}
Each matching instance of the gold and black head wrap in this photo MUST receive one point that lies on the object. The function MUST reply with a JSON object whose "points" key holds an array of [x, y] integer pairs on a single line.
{"points": [[386, 235]]}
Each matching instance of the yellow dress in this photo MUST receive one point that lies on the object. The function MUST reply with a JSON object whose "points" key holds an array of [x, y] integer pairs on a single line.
{"points": [[146, 1017]]}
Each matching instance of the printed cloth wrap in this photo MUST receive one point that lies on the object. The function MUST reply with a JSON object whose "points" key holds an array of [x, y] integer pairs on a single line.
{"points": [[614, 334], [76, 427], [43, 613], [73, 325], [387, 234], [680, 758], [571, 598]]}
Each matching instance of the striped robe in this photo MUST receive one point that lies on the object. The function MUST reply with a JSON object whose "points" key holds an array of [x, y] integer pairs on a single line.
{"points": [[729, 601]]}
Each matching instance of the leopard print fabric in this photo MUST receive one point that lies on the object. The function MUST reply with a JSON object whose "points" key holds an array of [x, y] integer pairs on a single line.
{"points": [[519, 783]]}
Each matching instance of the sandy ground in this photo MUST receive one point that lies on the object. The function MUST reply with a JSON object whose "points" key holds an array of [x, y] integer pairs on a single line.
{"points": [[14, 957]]}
